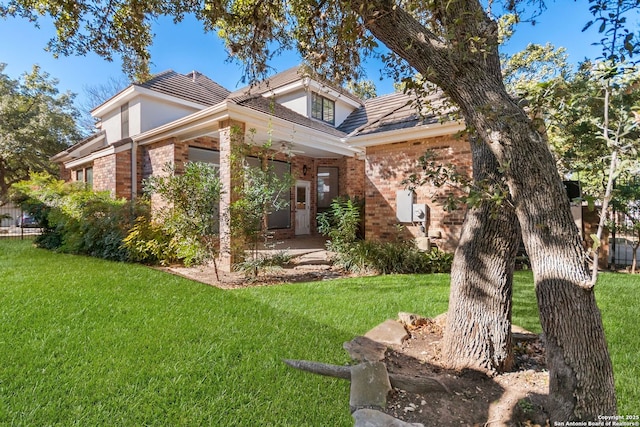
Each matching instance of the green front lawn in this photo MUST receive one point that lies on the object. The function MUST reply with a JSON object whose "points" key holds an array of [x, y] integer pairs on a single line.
{"points": [[91, 342]]}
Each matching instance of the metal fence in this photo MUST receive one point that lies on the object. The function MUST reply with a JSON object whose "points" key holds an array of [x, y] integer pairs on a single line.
{"points": [[17, 224], [621, 240]]}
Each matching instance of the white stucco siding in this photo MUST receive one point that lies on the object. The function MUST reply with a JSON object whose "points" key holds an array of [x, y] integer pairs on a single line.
{"points": [[342, 111], [111, 125], [296, 101], [154, 113]]}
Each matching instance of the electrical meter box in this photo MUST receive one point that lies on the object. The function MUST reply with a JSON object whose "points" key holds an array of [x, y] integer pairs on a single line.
{"points": [[404, 205], [420, 212]]}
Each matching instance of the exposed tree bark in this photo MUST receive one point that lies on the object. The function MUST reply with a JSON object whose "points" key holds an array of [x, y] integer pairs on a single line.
{"points": [[478, 329], [466, 66], [411, 384]]}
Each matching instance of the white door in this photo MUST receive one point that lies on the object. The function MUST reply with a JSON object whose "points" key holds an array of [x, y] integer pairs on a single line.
{"points": [[303, 210]]}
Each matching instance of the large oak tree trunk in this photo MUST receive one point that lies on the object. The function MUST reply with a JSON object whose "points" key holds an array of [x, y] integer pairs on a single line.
{"points": [[478, 329], [581, 374], [465, 65]]}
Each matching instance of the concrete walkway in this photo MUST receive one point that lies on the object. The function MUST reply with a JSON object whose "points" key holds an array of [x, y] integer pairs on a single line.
{"points": [[303, 249]]}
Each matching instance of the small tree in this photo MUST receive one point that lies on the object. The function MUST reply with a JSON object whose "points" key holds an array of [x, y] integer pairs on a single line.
{"points": [[259, 194], [191, 210], [626, 202]]}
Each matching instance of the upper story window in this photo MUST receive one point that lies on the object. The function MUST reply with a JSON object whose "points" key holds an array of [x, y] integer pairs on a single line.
{"points": [[323, 108], [124, 121]]}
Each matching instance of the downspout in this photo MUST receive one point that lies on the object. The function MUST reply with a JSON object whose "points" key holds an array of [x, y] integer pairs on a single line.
{"points": [[134, 169]]}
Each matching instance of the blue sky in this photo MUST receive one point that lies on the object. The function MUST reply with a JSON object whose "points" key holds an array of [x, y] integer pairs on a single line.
{"points": [[185, 47]]}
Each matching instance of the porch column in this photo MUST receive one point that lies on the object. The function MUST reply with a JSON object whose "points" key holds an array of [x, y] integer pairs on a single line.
{"points": [[231, 135]]}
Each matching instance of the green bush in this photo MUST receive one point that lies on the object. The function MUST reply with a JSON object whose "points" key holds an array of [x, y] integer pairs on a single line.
{"points": [[341, 223], [149, 243], [77, 220], [251, 267], [393, 258], [186, 228]]}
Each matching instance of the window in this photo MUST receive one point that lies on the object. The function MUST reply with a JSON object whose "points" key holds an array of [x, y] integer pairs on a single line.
{"points": [[327, 187], [281, 218], [88, 177], [322, 108], [124, 121], [204, 155]]}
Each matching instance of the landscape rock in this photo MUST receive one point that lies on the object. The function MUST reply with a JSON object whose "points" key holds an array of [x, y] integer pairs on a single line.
{"points": [[389, 332], [373, 418], [369, 386], [364, 349]]}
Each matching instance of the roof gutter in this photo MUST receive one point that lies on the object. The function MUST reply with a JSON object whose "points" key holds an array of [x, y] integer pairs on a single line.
{"points": [[412, 133]]}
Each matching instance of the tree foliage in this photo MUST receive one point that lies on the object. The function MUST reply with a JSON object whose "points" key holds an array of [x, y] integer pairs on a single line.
{"points": [[260, 192], [190, 209], [77, 220], [36, 122]]}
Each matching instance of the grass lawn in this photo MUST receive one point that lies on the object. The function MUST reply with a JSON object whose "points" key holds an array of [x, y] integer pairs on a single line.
{"points": [[90, 342]]}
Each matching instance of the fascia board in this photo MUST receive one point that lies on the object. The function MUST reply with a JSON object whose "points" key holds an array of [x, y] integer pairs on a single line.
{"points": [[96, 155], [420, 132], [132, 91], [75, 152], [291, 87], [332, 93]]}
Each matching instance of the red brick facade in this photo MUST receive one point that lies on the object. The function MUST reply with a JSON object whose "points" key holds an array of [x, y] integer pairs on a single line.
{"points": [[388, 165]]}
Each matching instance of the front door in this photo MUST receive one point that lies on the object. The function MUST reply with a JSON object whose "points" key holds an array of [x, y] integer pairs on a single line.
{"points": [[303, 208]]}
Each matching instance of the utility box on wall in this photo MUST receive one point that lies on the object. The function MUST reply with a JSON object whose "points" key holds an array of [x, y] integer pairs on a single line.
{"points": [[404, 205], [420, 213]]}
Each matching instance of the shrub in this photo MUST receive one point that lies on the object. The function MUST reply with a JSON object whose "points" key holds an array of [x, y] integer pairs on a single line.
{"points": [[393, 258], [251, 267], [186, 228], [149, 243], [341, 223], [77, 220]]}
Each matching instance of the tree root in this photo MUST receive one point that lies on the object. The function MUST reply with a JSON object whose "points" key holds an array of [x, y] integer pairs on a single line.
{"points": [[422, 384]]}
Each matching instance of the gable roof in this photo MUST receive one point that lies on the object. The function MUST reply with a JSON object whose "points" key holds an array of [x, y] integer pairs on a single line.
{"points": [[266, 105], [287, 77], [194, 87]]}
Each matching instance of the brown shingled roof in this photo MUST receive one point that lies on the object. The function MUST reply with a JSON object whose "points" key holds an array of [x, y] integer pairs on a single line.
{"points": [[194, 87], [387, 113], [265, 105]]}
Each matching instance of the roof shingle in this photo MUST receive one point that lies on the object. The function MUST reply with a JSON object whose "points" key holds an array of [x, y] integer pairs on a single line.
{"points": [[194, 87]]}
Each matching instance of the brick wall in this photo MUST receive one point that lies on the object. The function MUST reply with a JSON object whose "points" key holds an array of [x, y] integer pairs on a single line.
{"points": [[104, 173], [123, 174], [387, 165]]}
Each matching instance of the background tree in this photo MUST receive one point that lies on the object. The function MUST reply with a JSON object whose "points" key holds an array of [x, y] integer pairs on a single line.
{"points": [[36, 122], [626, 202], [363, 89], [96, 95], [452, 44]]}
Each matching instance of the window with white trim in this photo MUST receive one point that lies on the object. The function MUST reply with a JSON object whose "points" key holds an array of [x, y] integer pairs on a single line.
{"points": [[323, 108]]}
